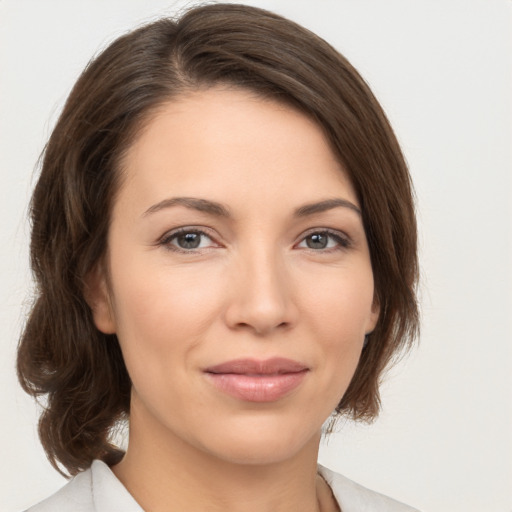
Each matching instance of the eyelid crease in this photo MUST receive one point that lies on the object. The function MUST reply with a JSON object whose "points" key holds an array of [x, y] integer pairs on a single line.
{"points": [[344, 240], [185, 229], [166, 239]]}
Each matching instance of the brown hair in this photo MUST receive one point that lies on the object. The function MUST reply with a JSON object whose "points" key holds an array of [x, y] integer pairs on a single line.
{"points": [[61, 353]]}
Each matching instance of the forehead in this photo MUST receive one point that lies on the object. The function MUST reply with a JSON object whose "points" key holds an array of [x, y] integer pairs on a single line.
{"points": [[232, 144]]}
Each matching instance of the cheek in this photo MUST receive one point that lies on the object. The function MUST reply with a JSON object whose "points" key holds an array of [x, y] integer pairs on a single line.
{"points": [[339, 301], [338, 314], [160, 308], [162, 318]]}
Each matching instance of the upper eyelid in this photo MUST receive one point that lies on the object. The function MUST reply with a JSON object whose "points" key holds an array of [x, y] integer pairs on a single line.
{"points": [[167, 238], [187, 229], [329, 231], [324, 230]]}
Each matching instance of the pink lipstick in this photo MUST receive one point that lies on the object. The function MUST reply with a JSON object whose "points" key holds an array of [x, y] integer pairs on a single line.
{"points": [[257, 381]]}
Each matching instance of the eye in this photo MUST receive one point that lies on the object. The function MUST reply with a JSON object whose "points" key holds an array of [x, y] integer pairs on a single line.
{"points": [[187, 240], [324, 240]]}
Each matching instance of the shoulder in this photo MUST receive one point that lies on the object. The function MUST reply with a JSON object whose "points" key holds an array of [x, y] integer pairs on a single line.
{"points": [[353, 497], [95, 490]]}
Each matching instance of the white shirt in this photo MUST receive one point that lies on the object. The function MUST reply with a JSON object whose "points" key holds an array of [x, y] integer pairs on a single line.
{"points": [[98, 490]]}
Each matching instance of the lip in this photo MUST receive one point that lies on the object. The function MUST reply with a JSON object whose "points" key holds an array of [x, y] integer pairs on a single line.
{"points": [[255, 380]]}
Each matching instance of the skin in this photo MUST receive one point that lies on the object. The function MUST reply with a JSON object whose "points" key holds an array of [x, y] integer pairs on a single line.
{"points": [[253, 288]]}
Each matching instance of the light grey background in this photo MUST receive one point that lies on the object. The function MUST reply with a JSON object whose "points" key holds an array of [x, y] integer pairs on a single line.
{"points": [[442, 70]]}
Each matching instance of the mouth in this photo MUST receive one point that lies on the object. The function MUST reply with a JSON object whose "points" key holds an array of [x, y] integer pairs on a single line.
{"points": [[254, 380]]}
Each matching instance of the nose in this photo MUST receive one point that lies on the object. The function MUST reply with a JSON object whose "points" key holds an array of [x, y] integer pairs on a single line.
{"points": [[261, 299]]}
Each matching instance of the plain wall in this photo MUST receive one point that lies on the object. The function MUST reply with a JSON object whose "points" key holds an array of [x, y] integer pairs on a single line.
{"points": [[442, 70]]}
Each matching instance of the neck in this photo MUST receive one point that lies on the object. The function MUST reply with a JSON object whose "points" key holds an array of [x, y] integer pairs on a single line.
{"points": [[163, 473]]}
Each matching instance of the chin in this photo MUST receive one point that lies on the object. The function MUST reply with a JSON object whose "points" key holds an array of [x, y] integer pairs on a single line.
{"points": [[262, 442]]}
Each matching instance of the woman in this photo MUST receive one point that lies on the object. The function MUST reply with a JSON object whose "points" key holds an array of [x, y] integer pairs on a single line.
{"points": [[225, 250]]}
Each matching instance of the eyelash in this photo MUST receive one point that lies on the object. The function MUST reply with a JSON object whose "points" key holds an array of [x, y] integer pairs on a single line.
{"points": [[343, 242], [167, 239]]}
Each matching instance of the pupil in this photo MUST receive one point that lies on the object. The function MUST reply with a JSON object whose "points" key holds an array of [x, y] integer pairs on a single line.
{"points": [[189, 241], [317, 241]]}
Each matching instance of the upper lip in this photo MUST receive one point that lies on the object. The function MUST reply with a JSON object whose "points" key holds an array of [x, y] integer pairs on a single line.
{"points": [[273, 366]]}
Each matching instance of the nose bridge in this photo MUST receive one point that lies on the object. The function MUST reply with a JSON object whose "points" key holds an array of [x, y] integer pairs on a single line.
{"points": [[265, 272], [262, 300]]}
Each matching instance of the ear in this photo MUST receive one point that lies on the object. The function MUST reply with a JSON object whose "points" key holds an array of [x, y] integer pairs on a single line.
{"points": [[97, 296], [374, 315]]}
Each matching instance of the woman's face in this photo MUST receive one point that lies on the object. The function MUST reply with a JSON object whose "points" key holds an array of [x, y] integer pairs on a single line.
{"points": [[240, 283]]}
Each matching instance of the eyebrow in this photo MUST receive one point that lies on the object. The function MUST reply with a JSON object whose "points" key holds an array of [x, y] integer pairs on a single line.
{"points": [[322, 206], [218, 210], [202, 205]]}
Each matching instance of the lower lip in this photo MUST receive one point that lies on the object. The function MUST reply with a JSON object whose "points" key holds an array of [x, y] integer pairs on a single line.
{"points": [[257, 388]]}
